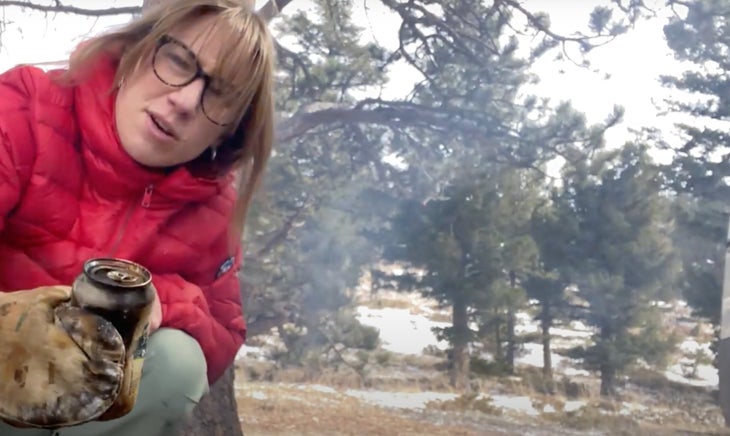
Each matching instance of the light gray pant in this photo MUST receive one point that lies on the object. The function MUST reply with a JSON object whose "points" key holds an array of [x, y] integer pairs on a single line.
{"points": [[174, 379]]}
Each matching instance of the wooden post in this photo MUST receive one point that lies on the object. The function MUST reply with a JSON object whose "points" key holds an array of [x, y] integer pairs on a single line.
{"points": [[724, 348]]}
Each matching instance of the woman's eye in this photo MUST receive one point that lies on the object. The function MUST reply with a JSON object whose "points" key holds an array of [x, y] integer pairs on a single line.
{"points": [[179, 61]]}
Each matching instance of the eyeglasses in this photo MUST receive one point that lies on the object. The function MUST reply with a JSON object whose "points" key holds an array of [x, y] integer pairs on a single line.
{"points": [[176, 65]]}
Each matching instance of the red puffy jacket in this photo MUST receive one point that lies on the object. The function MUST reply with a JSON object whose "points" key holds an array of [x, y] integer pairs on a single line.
{"points": [[69, 192]]}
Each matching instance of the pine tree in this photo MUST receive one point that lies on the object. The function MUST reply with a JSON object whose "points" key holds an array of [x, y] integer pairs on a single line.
{"points": [[701, 161], [621, 256]]}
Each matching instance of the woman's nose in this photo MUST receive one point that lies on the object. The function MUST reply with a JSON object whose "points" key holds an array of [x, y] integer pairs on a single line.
{"points": [[188, 98]]}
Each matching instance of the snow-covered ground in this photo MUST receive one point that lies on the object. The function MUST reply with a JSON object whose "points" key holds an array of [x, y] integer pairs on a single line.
{"points": [[410, 331], [402, 331], [697, 358]]}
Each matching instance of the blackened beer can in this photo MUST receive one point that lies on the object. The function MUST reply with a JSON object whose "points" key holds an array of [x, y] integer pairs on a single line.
{"points": [[120, 291]]}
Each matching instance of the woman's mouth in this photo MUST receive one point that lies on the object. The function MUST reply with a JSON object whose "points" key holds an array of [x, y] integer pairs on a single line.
{"points": [[162, 127]]}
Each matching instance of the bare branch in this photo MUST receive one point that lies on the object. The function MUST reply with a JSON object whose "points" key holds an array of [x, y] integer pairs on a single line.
{"points": [[393, 114], [60, 7], [539, 25], [412, 115]]}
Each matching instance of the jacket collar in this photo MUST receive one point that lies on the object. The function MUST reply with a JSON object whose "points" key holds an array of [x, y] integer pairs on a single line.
{"points": [[112, 171]]}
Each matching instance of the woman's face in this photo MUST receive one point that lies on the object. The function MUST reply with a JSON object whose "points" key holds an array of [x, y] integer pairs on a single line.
{"points": [[166, 111]]}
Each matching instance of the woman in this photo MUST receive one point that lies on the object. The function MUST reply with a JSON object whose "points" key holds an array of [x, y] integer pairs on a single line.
{"points": [[132, 152]]}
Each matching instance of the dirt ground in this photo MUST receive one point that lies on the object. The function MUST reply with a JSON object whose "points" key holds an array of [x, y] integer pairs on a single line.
{"points": [[297, 401], [270, 409], [274, 409]]}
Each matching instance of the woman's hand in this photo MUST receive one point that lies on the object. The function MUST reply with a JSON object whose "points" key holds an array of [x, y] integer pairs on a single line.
{"points": [[69, 364], [155, 314]]}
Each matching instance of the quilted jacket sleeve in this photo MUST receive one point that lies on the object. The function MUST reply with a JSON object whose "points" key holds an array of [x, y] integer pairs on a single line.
{"points": [[9, 180], [210, 312], [17, 88]]}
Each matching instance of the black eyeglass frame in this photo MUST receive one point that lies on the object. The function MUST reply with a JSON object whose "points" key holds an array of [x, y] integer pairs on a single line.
{"points": [[199, 73]]}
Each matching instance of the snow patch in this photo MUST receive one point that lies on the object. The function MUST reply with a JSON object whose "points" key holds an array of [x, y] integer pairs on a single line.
{"points": [[522, 404], [258, 395], [574, 405], [402, 331]]}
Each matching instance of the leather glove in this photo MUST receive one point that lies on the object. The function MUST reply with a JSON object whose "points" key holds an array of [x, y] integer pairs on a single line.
{"points": [[59, 365]]}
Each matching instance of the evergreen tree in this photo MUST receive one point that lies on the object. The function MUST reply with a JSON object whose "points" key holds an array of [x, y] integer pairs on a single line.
{"points": [[306, 226], [464, 251], [698, 172], [621, 256]]}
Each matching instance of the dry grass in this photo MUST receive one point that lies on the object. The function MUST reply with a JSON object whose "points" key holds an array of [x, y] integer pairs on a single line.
{"points": [[270, 403], [397, 373], [281, 408], [275, 409]]}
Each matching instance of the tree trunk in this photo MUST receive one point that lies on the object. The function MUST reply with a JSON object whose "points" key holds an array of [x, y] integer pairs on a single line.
{"points": [[608, 372], [511, 321], [217, 413], [460, 358], [547, 361], [607, 380], [511, 341], [498, 351]]}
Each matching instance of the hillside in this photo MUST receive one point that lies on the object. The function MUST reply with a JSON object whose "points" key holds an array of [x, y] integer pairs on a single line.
{"points": [[403, 388]]}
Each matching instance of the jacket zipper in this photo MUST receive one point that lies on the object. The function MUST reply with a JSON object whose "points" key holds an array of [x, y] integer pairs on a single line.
{"points": [[145, 203], [147, 197]]}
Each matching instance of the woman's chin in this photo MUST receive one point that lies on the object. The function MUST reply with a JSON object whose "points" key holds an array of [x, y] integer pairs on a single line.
{"points": [[151, 160]]}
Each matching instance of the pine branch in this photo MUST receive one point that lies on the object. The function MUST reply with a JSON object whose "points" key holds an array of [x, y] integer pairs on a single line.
{"points": [[62, 8], [447, 120], [359, 369], [542, 27]]}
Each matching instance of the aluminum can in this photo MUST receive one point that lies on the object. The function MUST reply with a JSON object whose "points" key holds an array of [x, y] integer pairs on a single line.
{"points": [[120, 291]]}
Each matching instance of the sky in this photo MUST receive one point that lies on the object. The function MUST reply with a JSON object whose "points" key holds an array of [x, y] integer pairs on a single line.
{"points": [[633, 62]]}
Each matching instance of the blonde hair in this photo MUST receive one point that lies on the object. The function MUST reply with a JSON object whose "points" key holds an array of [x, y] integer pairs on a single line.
{"points": [[246, 63]]}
